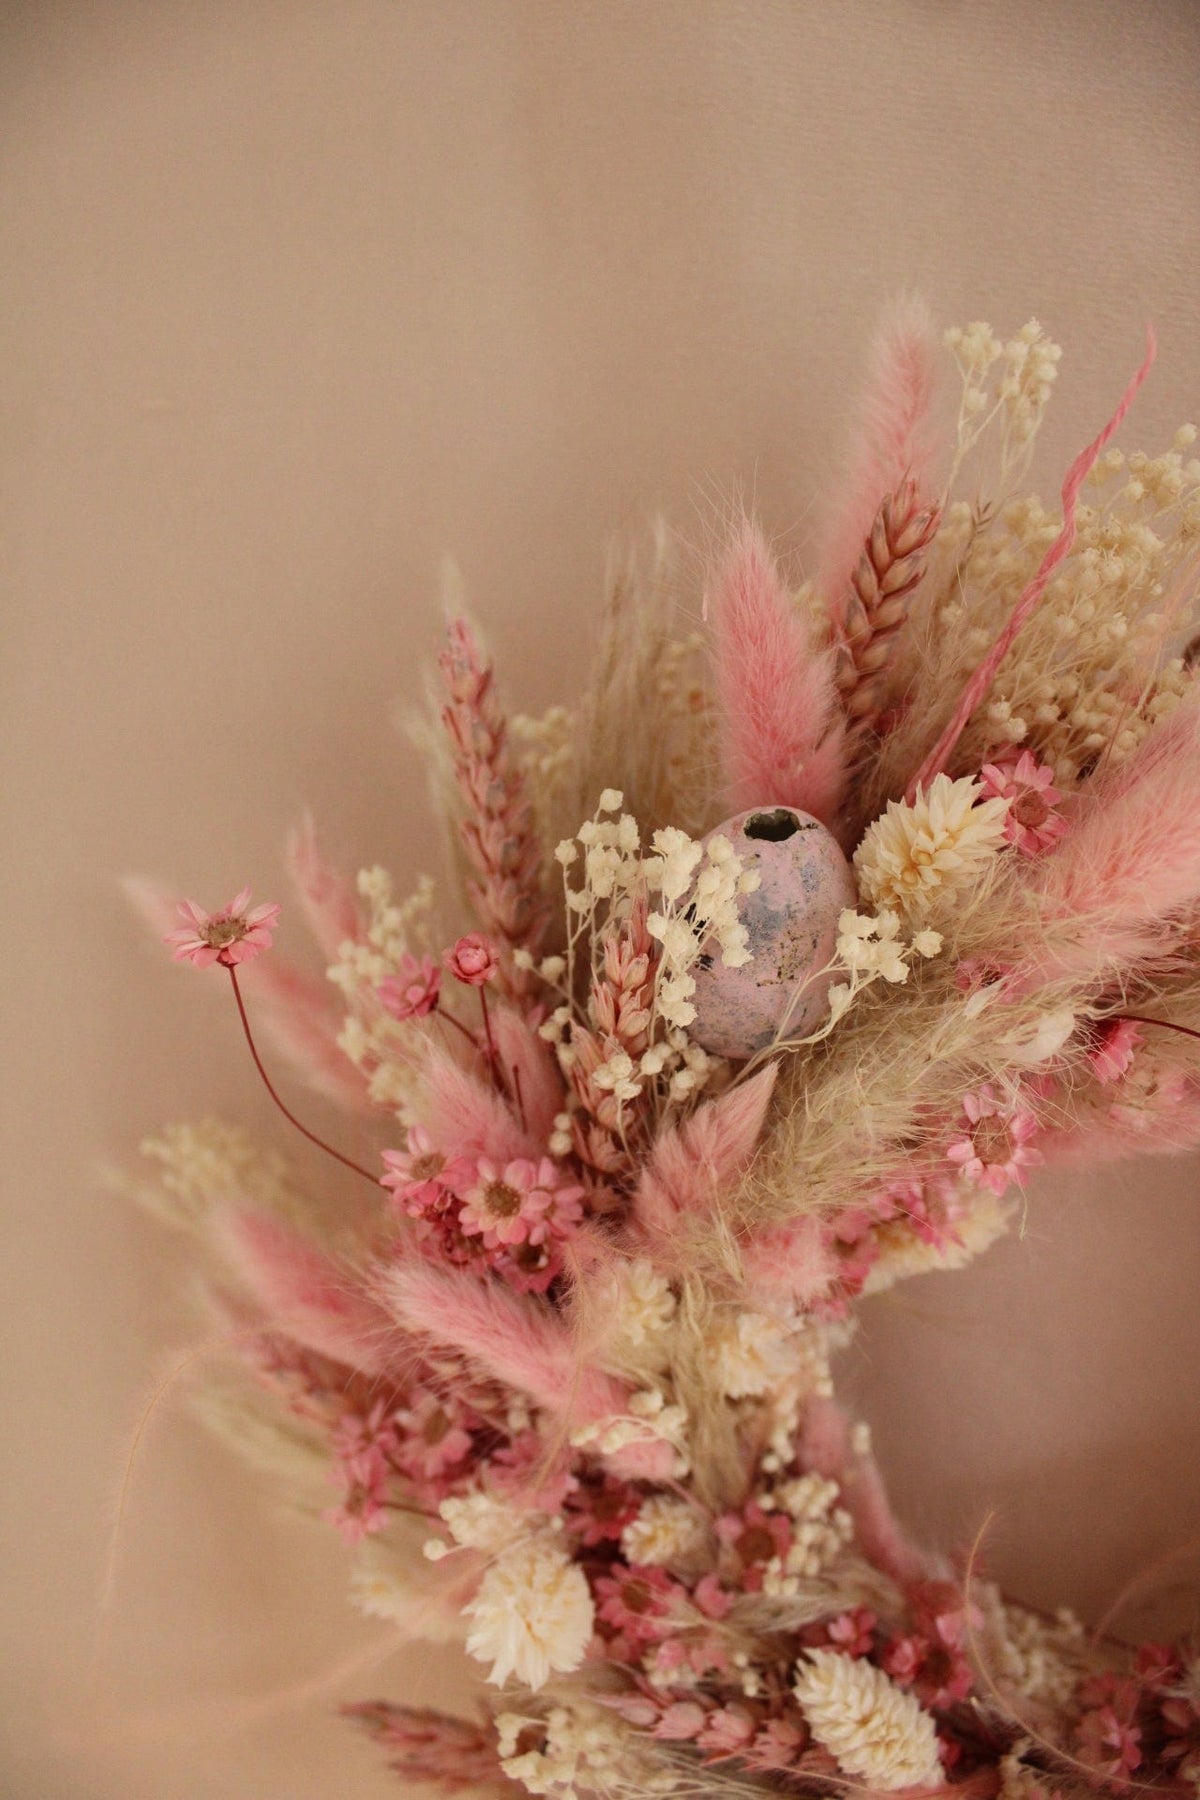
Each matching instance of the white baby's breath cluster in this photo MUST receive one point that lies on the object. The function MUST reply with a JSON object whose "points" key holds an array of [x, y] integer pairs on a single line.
{"points": [[1037, 1657], [1010, 382], [1091, 672], [811, 1345], [690, 892], [370, 1037], [546, 751], [652, 1416], [870, 948], [636, 1307], [750, 1353], [872, 1727], [821, 1532]]}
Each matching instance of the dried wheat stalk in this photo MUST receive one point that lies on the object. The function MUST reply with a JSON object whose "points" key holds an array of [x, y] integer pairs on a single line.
{"points": [[890, 567]]}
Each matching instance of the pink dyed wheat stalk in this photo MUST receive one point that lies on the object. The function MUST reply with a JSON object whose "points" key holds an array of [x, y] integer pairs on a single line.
{"points": [[497, 832], [887, 572]]}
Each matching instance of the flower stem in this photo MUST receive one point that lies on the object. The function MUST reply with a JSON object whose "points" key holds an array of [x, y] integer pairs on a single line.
{"points": [[493, 1057], [1167, 1024], [291, 1118]]}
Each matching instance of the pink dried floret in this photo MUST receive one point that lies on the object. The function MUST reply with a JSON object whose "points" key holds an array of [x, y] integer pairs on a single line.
{"points": [[598, 1512], [523, 1202], [421, 1176], [727, 1731], [361, 1447], [637, 1601], [432, 1437], [235, 934], [755, 1537], [1033, 823], [1115, 1042], [1106, 1737], [994, 1150], [472, 960], [413, 991]]}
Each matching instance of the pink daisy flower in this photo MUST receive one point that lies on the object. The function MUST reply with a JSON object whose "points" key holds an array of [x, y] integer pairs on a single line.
{"points": [[232, 935], [599, 1511], [421, 1176], [1115, 1042], [525, 1202], [432, 1438], [755, 1537], [1033, 823], [994, 1150], [412, 993], [636, 1601]]}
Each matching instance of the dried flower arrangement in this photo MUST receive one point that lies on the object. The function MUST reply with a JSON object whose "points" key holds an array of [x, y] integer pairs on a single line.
{"points": [[885, 891]]}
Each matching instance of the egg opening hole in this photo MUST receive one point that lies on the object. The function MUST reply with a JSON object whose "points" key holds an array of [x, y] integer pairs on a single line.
{"points": [[775, 826]]}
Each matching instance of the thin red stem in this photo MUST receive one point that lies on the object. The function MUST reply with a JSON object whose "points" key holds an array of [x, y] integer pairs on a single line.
{"points": [[517, 1095], [458, 1025], [1167, 1024], [487, 1031], [291, 1118]]}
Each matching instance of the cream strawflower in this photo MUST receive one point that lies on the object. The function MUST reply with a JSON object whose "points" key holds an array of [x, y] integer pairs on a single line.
{"points": [[918, 858], [533, 1615], [872, 1727], [663, 1531]]}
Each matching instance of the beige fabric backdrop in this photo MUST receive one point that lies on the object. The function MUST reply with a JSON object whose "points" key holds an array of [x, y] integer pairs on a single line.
{"points": [[299, 297]]}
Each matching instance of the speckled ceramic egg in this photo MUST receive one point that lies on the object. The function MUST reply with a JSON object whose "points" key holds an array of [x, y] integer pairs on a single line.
{"points": [[791, 922]]}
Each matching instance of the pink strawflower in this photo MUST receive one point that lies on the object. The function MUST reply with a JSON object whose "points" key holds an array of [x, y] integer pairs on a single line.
{"points": [[230, 936], [525, 1202], [599, 1510], [432, 1437], [852, 1632], [362, 1449], [994, 1150], [756, 1537], [1033, 824], [412, 993], [472, 960], [636, 1601], [1115, 1041], [421, 1176], [1106, 1737]]}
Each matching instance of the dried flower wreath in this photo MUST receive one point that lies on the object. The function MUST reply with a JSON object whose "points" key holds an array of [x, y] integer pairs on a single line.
{"points": [[885, 891]]}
